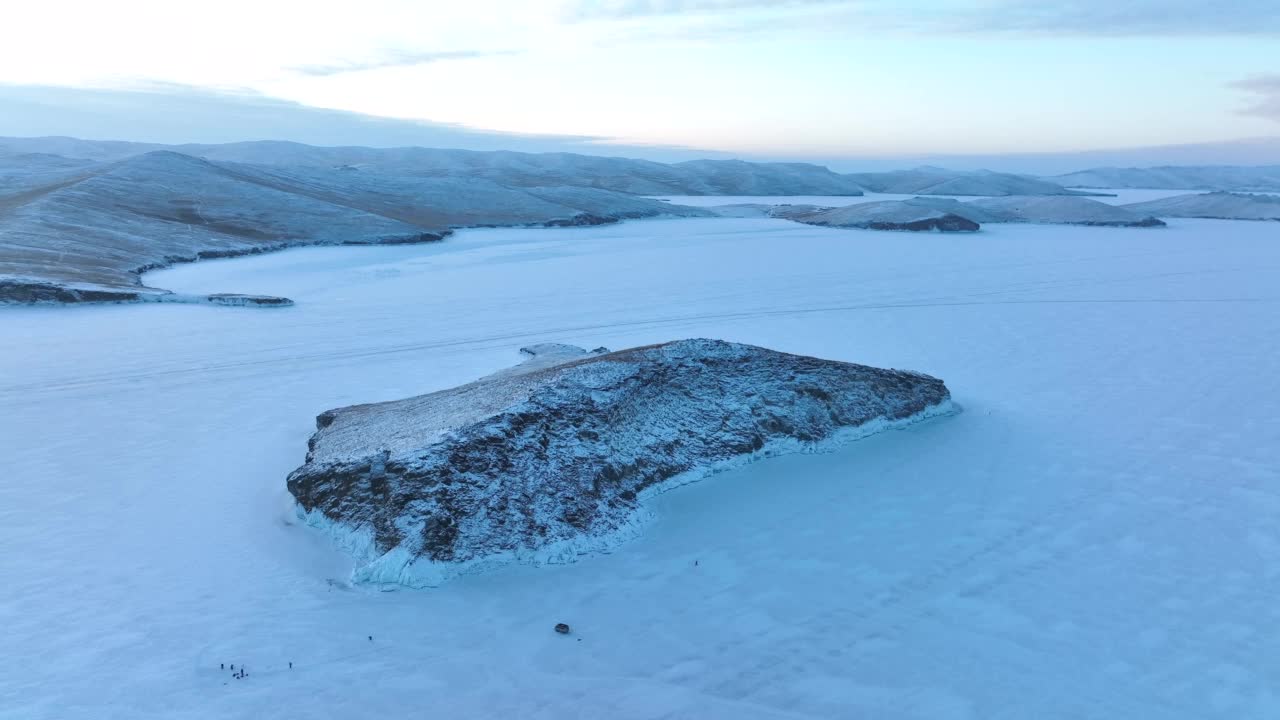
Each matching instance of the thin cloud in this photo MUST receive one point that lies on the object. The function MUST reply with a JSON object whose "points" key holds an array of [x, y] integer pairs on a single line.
{"points": [[624, 9], [1066, 17], [1266, 88], [1132, 18], [396, 59]]}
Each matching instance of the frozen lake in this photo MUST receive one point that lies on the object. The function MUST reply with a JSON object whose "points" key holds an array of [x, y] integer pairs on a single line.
{"points": [[1097, 535]]}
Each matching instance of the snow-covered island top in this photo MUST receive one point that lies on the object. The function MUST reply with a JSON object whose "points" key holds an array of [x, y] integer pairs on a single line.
{"points": [[551, 459]]}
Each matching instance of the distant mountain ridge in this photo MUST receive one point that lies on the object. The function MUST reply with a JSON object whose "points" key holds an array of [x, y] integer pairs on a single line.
{"points": [[627, 175], [939, 181], [1265, 178], [514, 169]]}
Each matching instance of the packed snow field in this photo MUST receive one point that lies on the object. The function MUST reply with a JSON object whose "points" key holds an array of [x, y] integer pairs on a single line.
{"points": [[1096, 535]]}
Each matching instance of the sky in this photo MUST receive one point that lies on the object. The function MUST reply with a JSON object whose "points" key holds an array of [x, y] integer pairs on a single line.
{"points": [[783, 78]]}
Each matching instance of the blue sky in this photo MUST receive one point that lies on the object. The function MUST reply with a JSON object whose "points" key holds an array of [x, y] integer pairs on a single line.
{"points": [[800, 78]]}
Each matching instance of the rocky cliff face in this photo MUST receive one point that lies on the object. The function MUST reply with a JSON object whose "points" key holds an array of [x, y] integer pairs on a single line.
{"points": [[550, 459]]}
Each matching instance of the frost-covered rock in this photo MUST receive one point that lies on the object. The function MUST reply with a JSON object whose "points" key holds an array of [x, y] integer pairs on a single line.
{"points": [[551, 459], [242, 300], [1217, 205], [27, 291]]}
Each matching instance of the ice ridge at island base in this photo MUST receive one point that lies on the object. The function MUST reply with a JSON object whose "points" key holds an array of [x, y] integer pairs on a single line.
{"points": [[555, 458]]}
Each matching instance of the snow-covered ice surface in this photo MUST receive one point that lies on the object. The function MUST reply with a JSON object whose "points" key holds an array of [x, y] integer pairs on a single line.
{"points": [[1096, 536]]}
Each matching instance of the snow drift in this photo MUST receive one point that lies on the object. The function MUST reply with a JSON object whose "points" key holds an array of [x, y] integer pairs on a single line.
{"points": [[550, 459]]}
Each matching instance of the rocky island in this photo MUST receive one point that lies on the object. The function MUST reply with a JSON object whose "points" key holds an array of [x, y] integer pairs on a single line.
{"points": [[552, 459], [951, 215]]}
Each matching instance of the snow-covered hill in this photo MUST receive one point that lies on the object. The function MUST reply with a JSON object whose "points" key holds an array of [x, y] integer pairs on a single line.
{"points": [[1208, 177], [1061, 210], [551, 462], [514, 169], [939, 181], [89, 234], [1221, 205]]}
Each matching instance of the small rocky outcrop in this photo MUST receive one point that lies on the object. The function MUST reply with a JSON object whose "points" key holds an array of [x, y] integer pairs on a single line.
{"points": [[241, 300], [580, 220], [551, 458], [31, 292], [940, 222]]}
